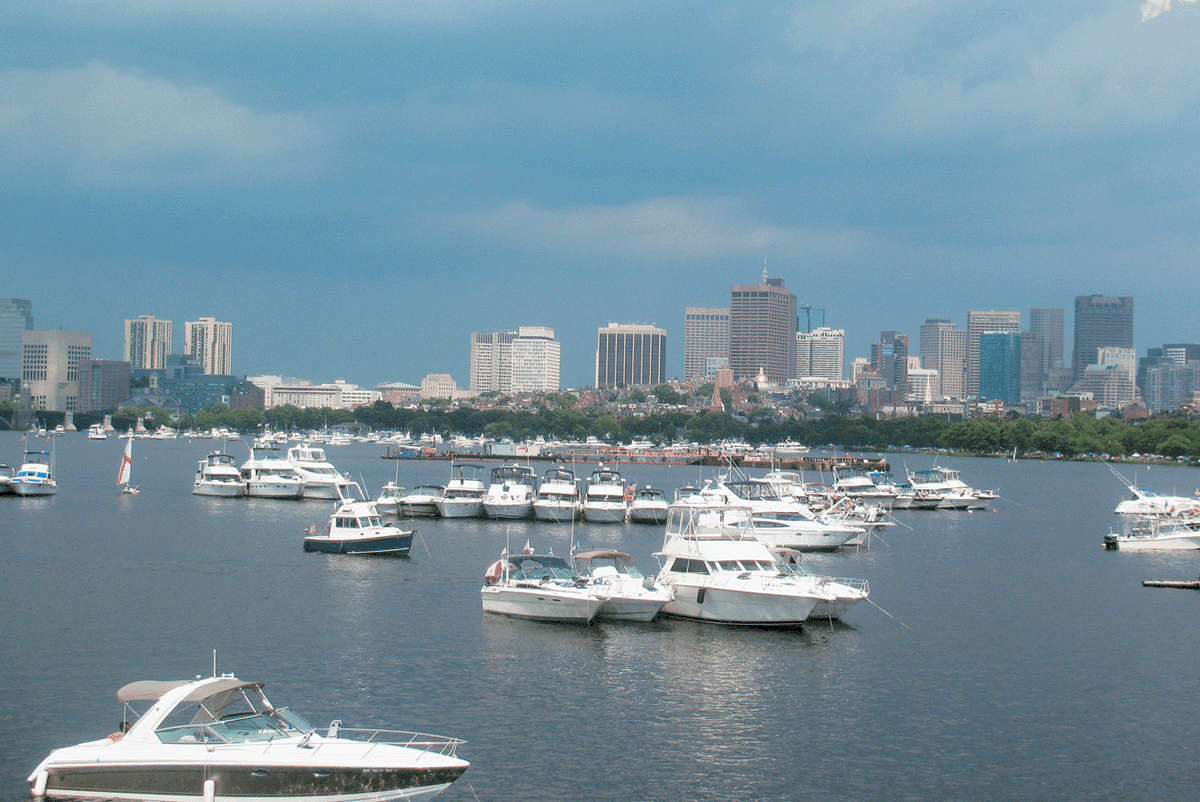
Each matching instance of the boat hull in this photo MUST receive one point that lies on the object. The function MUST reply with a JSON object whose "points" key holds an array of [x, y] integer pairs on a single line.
{"points": [[501, 509], [541, 604], [558, 513], [26, 489], [741, 607], [648, 515], [316, 783], [460, 508], [603, 512], [395, 545], [259, 489], [219, 489]]}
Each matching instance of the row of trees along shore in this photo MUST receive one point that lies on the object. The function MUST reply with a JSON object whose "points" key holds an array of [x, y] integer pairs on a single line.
{"points": [[1081, 435]]}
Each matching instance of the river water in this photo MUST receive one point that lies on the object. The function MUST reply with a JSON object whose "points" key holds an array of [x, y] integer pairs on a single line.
{"points": [[1008, 657]]}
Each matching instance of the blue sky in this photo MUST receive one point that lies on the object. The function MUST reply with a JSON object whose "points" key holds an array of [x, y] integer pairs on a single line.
{"points": [[357, 186]]}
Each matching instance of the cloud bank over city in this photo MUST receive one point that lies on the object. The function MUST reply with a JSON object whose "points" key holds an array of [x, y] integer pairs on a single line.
{"points": [[357, 186]]}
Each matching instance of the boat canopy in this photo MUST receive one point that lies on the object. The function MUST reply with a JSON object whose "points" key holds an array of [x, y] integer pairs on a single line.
{"points": [[150, 690], [597, 554]]}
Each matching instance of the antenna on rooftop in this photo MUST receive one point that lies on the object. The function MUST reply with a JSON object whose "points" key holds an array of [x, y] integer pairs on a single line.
{"points": [[764, 270]]}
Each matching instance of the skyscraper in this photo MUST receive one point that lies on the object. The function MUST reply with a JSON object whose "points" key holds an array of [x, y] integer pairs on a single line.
{"points": [[1048, 325], [1100, 321], [889, 358], [16, 317], [211, 343], [525, 361], [1000, 366], [944, 349], [977, 323], [762, 330], [705, 336], [147, 342], [50, 367], [630, 355], [822, 353]]}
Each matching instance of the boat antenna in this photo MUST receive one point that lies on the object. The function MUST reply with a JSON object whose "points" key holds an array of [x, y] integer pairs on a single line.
{"points": [[214, 663]]}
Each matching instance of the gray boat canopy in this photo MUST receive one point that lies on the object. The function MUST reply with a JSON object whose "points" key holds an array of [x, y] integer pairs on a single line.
{"points": [[150, 690]]}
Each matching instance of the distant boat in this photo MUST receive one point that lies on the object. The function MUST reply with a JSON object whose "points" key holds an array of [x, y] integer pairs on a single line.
{"points": [[35, 477], [126, 470]]}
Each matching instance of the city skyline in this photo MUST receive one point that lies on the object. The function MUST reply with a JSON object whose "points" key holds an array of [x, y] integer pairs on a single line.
{"points": [[416, 172]]}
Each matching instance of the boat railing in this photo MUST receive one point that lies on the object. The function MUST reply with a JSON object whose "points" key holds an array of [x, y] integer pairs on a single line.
{"points": [[441, 744]]}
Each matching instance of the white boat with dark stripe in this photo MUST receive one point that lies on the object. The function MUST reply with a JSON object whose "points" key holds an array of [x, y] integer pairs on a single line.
{"points": [[221, 738]]}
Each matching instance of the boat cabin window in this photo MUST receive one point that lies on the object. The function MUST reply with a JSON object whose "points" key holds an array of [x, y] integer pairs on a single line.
{"points": [[730, 565], [684, 566], [241, 717]]}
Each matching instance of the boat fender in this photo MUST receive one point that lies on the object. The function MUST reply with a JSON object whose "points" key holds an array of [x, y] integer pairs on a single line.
{"points": [[700, 595], [210, 791], [39, 783]]}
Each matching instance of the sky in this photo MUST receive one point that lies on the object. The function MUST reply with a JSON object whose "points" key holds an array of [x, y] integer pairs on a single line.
{"points": [[358, 185]]}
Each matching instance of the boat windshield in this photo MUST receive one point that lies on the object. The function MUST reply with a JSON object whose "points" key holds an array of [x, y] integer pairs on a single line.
{"points": [[242, 718]]}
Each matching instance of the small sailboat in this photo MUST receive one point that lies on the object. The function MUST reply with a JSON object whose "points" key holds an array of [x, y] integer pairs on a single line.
{"points": [[126, 470]]}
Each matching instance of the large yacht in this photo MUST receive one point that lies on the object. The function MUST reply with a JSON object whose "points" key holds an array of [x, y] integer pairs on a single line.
{"points": [[605, 500], [268, 475], [779, 523], [221, 738], [717, 570], [218, 475], [321, 479], [463, 496], [510, 494], [558, 496]]}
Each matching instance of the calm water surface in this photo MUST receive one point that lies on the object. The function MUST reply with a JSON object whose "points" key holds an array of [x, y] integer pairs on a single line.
{"points": [[1016, 659]]}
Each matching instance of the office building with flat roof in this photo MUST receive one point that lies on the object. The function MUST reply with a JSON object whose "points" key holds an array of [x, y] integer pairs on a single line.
{"points": [[1047, 324], [977, 323], [50, 362], [524, 361], [630, 355], [821, 353], [1000, 366], [943, 348], [16, 318], [762, 331], [705, 336], [1100, 321]]}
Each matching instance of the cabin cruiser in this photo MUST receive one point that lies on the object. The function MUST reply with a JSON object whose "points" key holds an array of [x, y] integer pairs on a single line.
{"points": [[421, 502], [218, 475], [718, 572], [649, 506], [321, 479], [540, 587], [463, 496], [779, 523], [845, 592], [35, 477], [1173, 533], [6, 479], [221, 738], [1148, 501], [356, 527], [558, 496], [388, 501], [627, 594], [606, 500], [268, 475], [510, 494], [859, 484], [96, 432], [949, 490]]}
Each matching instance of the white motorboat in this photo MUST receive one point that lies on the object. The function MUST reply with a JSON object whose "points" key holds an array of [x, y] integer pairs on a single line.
{"points": [[6, 479], [844, 592], [463, 496], [510, 494], [1148, 501], [388, 501], [859, 484], [357, 527], [628, 594], [944, 488], [267, 475], [718, 572], [421, 502], [779, 523], [649, 506], [540, 587], [321, 478], [96, 432], [220, 738], [558, 497], [218, 475], [1156, 533], [606, 500], [35, 477]]}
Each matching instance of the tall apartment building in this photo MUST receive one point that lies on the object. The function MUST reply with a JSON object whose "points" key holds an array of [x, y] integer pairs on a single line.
{"points": [[16, 318], [147, 342], [977, 323], [1100, 321], [1048, 325], [527, 360], [944, 349], [762, 330], [630, 355], [705, 336], [210, 342], [50, 362], [821, 352]]}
